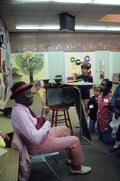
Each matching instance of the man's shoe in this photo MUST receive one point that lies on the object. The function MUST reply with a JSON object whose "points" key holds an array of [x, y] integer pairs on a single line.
{"points": [[83, 170], [78, 125], [113, 149], [69, 161]]}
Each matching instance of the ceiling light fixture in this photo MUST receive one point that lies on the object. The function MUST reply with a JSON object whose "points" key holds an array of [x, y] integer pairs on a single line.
{"points": [[38, 27], [28, 27], [73, 2], [30, 1], [77, 28], [97, 28], [105, 2]]}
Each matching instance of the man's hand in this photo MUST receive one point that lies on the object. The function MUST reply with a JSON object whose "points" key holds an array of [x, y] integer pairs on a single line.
{"points": [[45, 109], [4, 136]]}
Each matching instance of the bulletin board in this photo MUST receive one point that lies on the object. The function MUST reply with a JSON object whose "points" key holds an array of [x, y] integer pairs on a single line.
{"points": [[72, 69], [21, 65]]}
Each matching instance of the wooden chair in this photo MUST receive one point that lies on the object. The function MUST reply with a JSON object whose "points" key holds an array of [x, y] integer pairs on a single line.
{"points": [[61, 115]]}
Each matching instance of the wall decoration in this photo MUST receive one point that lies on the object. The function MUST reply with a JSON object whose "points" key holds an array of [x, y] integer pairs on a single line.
{"points": [[5, 79], [0, 62], [72, 59], [72, 69], [5, 67], [1, 90], [69, 47], [116, 78], [87, 59], [78, 62], [30, 63], [38, 74]]}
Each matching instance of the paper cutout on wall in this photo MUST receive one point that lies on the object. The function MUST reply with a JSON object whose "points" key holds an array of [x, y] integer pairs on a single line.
{"points": [[69, 47], [5, 79], [28, 61], [87, 59], [72, 59]]}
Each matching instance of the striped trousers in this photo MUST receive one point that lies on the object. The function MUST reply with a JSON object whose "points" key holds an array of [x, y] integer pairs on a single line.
{"points": [[58, 139]]}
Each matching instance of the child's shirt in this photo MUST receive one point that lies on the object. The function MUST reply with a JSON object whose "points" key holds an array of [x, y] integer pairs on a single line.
{"points": [[93, 107], [85, 89], [104, 113]]}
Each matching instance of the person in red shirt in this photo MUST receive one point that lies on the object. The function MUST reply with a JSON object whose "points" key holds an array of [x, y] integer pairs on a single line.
{"points": [[105, 112]]}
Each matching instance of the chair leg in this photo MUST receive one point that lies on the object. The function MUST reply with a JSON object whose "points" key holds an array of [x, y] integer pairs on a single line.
{"points": [[52, 170], [55, 159], [56, 118], [65, 118], [52, 119], [70, 123]]}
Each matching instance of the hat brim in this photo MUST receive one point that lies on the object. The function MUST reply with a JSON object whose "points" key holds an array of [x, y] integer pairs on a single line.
{"points": [[23, 89]]}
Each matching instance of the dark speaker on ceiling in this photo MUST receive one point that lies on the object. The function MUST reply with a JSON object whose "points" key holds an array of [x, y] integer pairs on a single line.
{"points": [[67, 22]]}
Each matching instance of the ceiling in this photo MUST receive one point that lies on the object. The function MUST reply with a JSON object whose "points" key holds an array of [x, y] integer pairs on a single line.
{"points": [[13, 14]]}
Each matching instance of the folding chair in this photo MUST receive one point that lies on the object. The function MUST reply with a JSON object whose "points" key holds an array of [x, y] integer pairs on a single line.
{"points": [[18, 144], [42, 158]]}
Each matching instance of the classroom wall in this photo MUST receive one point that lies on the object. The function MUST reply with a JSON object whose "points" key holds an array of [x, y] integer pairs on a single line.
{"points": [[76, 44], [67, 42]]}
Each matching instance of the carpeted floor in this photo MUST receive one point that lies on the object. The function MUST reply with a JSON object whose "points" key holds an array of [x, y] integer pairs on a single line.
{"points": [[105, 165]]}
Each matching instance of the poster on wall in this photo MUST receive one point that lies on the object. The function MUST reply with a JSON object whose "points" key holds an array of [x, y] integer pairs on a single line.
{"points": [[73, 62], [5, 67], [4, 74], [28, 66]]}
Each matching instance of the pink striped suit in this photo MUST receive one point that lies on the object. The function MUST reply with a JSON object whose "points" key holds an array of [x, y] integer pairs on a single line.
{"points": [[46, 139]]}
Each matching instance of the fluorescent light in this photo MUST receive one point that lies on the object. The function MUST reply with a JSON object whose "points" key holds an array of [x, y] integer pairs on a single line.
{"points": [[59, 1], [32, 1], [28, 27], [77, 28], [107, 2], [73, 1], [38, 27], [113, 28], [97, 28], [50, 28]]}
